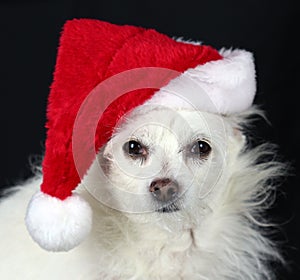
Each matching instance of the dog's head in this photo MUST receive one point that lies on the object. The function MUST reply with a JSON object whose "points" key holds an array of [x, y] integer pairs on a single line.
{"points": [[165, 163]]}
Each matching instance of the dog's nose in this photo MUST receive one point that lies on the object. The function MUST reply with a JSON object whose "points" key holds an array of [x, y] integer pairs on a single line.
{"points": [[164, 189]]}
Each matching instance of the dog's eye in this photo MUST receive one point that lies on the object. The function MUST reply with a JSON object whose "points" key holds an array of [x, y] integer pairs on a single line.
{"points": [[200, 148], [134, 149]]}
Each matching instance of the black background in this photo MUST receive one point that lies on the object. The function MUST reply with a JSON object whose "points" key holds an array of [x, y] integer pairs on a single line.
{"points": [[30, 31]]}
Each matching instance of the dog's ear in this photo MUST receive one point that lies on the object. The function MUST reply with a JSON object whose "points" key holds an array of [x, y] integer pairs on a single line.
{"points": [[237, 140], [104, 160], [239, 135]]}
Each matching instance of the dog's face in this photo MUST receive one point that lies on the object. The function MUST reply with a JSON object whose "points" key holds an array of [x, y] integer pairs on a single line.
{"points": [[163, 163]]}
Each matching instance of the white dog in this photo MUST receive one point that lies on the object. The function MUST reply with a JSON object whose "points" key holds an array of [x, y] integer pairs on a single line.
{"points": [[172, 192], [180, 198]]}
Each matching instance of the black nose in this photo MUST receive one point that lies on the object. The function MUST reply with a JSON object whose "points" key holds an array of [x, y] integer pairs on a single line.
{"points": [[164, 189]]}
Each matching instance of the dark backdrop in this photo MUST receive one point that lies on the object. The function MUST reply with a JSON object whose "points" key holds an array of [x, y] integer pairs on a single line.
{"points": [[29, 33]]}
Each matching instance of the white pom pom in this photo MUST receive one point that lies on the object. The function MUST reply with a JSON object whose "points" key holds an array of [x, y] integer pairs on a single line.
{"points": [[58, 225]]}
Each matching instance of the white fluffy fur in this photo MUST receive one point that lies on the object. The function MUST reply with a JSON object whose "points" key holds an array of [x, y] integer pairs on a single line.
{"points": [[217, 234]]}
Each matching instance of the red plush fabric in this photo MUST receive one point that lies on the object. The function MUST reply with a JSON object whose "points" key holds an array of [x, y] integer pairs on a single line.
{"points": [[91, 51]]}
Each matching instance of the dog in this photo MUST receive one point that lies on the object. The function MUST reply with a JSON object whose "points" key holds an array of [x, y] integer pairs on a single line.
{"points": [[175, 194]]}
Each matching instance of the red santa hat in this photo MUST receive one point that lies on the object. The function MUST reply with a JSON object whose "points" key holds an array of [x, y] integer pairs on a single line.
{"points": [[92, 52]]}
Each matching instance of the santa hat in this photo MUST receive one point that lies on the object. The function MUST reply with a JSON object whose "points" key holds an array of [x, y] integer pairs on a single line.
{"points": [[92, 53]]}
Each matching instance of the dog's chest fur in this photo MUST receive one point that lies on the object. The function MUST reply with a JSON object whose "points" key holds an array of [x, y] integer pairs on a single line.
{"points": [[117, 249]]}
